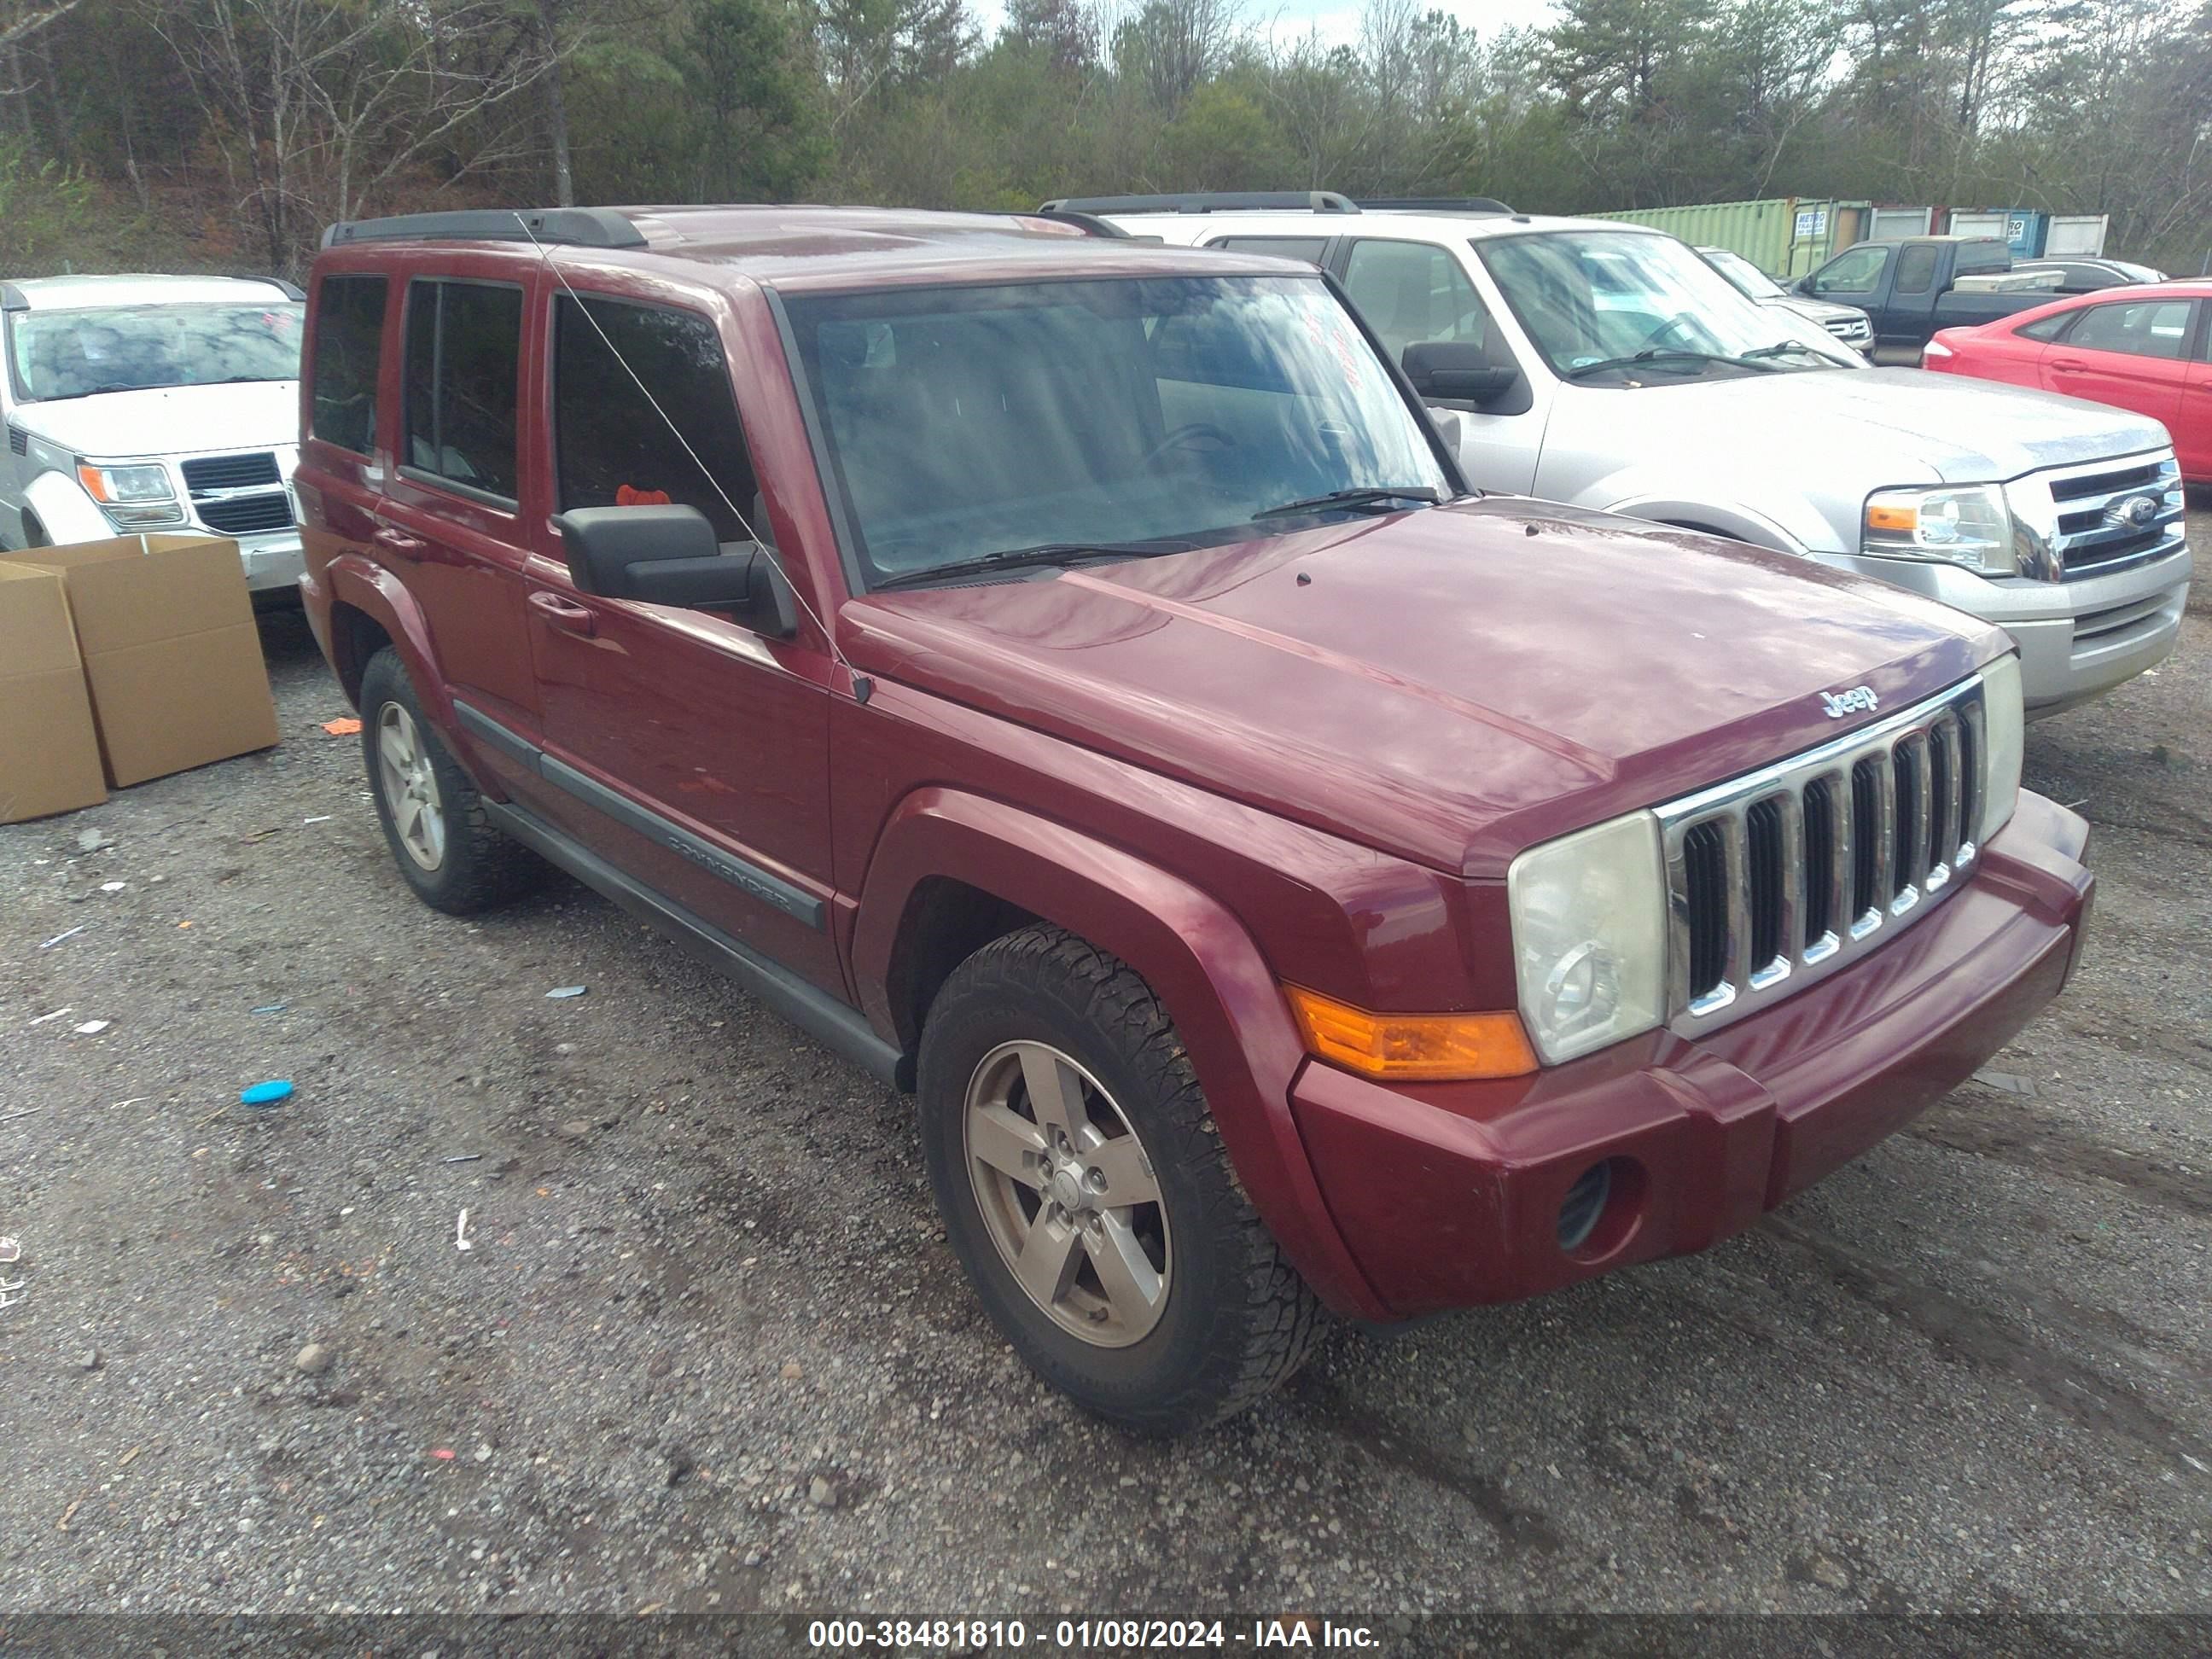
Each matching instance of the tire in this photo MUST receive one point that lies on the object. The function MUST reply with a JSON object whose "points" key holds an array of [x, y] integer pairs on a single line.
{"points": [[1223, 1318], [467, 866]]}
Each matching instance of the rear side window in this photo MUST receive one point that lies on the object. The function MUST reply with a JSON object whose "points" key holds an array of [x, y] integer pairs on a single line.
{"points": [[612, 447], [2146, 328], [349, 345], [1916, 270], [2052, 327], [464, 351]]}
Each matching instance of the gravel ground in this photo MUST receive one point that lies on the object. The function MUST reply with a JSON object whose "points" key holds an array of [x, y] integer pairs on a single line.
{"points": [[709, 1352]]}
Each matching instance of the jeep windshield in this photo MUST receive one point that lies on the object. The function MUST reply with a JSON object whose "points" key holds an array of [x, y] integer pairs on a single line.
{"points": [[1629, 308], [77, 353], [1019, 426]]}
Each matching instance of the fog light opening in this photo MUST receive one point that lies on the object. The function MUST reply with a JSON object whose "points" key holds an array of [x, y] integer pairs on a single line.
{"points": [[1583, 1205]]}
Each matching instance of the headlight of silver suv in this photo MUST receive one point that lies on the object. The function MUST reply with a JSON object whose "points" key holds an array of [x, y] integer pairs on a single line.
{"points": [[1966, 524], [2004, 726], [133, 496], [1589, 936]]}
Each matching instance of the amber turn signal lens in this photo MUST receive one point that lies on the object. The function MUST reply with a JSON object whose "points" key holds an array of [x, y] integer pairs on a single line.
{"points": [[1903, 519], [1412, 1048], [95, 483]]}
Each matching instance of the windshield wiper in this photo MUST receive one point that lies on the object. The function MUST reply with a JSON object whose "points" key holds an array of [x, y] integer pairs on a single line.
{"points": [[1013, 558], [1781, 346], [92, 391], [1652, 355], [1373, 497]]}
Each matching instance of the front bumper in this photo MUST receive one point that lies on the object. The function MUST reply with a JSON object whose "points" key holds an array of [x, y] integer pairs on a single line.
{"points": [[272, 562], [1450, 1195], [2077, 639]]}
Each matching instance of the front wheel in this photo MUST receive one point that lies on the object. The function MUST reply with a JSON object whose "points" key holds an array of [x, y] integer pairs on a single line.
{"points": [[1086, 1190]]}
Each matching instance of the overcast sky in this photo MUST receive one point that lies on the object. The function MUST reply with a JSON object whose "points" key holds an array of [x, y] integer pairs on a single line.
{"points": [[1337, 23]]}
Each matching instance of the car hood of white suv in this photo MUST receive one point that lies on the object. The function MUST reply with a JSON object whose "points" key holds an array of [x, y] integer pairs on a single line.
{"points": [[178, 420], [1861, 428]]}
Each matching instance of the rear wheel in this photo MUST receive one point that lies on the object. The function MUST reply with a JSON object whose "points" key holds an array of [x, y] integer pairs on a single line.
{"points": [[433, 819], [1086, 1190]]}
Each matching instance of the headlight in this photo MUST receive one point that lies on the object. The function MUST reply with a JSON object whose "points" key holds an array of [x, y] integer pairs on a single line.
{"points": [[109, 485], [1589, 936], [1970, 526], [2004, 728]]}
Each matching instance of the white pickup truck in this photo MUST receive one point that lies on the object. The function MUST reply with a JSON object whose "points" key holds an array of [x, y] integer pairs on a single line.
{"points": [[153, 404]]}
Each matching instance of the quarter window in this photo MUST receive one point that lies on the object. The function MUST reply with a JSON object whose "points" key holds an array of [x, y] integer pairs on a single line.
{"points": [[2052, 327], [1411, 292], [612, 446], [349, 345], [2144, 328], [464, 354], [1308, 248]]}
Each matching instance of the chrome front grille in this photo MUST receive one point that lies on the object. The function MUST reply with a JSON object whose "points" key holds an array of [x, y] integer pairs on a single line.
{"points": [[1780, 877], [238, 495], [1850, 328], [2082, 521]]}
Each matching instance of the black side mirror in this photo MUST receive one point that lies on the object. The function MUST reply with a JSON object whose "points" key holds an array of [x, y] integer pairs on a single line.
{"points": [[669, 555], [1456, 368]]}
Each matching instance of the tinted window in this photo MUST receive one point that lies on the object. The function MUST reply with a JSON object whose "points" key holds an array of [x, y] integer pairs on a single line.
{"points": [[1857, 271], [2148, 328], [1410, 292], [1308, 248], [2052, 327], [1916, 270], [464, 350], [612, 447], [348, 344]]}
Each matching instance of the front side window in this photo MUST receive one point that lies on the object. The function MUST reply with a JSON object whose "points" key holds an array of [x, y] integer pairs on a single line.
{"points": [[1413, 292], [349, 346], [1632, 308], [1308, 248], [964, 422], [612, 446], [2144, 328], [79, 354], [464, 355], [1855, 271]]}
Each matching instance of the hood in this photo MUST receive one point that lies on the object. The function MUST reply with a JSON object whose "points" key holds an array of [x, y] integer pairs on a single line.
{"points": [[179, 420], [1820, 311], [1451, 685], [1865, 427]]}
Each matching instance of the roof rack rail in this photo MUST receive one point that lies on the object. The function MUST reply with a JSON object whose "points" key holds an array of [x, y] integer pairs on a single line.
{"points": [[568, 227], [1439, 204], [1209, 201]]}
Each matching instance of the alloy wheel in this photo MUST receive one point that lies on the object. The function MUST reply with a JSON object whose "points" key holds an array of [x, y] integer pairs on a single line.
{"points": [[1068, 1193], [410, 787]]}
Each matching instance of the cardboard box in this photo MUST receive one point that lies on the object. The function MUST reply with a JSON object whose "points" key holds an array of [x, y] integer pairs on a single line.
{"points": [[49, 752], [171, 657]]}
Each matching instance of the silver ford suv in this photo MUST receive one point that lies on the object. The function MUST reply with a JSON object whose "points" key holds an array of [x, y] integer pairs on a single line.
{"points": [[1607, 365]]}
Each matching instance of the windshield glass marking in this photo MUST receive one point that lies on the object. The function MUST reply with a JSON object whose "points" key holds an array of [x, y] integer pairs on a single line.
{"points": [[960, 423], [1593, 298], [76, 354]]}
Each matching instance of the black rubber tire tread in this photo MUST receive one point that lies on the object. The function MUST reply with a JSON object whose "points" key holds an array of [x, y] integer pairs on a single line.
{"points": [[1265, 1319], [483, 868]]}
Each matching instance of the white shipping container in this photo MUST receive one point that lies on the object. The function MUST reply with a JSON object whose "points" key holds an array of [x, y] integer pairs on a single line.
{"points": [[2076, 236]]}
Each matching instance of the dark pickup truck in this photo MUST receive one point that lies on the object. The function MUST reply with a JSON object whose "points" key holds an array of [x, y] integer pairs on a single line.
{"points": [[1917, 284]]}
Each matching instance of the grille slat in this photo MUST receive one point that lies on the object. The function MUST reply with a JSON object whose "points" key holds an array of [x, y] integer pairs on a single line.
{"points": [[204, 473], [246, 515], [1791, 872], [2097, 530]]}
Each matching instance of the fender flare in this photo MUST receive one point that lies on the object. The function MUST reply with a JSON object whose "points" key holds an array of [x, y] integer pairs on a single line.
{"points": [[65, 513], [1226, 1003], [1744, 524], [377, 594]]}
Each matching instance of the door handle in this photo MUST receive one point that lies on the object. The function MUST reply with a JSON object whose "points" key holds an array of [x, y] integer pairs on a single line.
{"points": [[398, 541], [2069, 365], [557, 612]]}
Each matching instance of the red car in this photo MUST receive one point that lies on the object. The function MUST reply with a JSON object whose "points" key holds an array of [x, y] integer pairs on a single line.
{"points": [[2146, 348], [1070, 678]]}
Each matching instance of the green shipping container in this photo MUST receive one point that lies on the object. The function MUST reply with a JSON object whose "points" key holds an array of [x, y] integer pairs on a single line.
{"points": [[1784, 235]]}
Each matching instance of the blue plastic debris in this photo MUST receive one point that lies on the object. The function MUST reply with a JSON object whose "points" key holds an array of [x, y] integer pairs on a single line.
{"points": [[264, 1094]]}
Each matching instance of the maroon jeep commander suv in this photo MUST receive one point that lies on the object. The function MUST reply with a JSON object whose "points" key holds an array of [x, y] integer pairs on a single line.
{"points": [[1070, 679]]}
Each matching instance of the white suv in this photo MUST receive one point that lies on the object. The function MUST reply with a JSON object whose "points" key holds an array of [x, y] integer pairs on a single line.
{"points": [[153, 404], [1605, 365]]}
